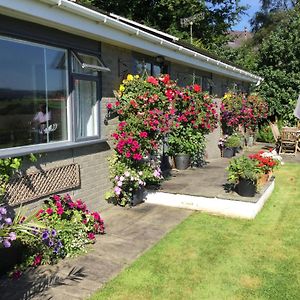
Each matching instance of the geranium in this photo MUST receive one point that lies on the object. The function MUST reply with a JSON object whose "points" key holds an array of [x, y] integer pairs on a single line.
{"points": [[267, 161]]}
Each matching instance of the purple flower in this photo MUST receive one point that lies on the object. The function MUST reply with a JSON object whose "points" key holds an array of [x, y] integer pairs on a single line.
{"points": [[3, 211], [59, 244], [8, 221], [6, 243], [12, 236], [45, 235], [51, 243], [53, 232], [56, 249]]}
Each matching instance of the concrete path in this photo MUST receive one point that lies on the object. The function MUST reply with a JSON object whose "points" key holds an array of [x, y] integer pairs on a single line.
{"points": [[129, 233]]}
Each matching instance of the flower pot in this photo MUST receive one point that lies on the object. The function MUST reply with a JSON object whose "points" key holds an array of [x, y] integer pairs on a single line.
{"points": [[228, 152], [182, 161], [263, 179], [138, 197], [10, 257], [250, 141], [246, 188]]}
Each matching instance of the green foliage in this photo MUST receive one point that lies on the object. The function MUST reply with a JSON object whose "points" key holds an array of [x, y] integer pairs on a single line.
{"points": [[8, 167], [185, 140], [280, 66], [265, 134], [233, 141], [243, 168]]}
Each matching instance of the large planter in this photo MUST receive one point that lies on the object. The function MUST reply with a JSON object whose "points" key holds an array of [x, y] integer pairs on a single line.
{"points": [[182, 161], [246, 188], [9, 257], [138, 197], [228, 152]]}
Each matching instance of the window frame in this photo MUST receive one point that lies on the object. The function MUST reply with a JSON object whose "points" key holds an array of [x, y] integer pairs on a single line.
{"points": [[84, 77], [71, 141]]}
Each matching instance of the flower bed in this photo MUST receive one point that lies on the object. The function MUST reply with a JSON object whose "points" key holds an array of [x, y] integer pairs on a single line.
{"points": [[62, 228], [150, 110]]}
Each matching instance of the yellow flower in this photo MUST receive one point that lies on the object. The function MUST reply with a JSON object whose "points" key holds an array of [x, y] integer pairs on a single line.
{"points": [[121, 88], [137, 76], [129, 77]]}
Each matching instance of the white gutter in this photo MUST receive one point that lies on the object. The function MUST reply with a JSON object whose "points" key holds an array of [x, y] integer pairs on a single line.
{"points": [[99, 18]]}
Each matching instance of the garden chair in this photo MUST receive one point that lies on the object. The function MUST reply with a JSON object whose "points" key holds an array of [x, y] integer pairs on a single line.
{"points": [[276, 135], [288, 142]]}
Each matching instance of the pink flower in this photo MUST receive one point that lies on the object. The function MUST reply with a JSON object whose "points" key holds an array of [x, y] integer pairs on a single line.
{"points": [[96, 216], [109, 106], [127, 154], [49, 211], [56, 197], [117, 190], [91, 236], [143, 134], [60, 211], [137, 156]]}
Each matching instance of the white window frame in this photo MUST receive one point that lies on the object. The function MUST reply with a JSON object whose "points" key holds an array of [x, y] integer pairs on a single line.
{"points": [[72, 141]]}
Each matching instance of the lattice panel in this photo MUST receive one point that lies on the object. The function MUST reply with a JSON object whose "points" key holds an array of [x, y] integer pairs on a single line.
{"points": [[33, 186]]}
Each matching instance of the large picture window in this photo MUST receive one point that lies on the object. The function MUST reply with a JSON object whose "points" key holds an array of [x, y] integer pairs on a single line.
{"points": [[33, 93]]}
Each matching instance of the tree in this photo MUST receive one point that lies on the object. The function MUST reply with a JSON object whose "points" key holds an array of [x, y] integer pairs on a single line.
{"points": [[279, 64], [215, 17]]}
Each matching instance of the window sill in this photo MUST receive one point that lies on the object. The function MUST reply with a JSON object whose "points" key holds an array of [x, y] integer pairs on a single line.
{"points": [[42, 148]]}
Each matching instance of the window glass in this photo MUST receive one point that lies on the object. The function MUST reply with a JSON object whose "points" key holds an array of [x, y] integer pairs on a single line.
{"points": [[143, 68], [156, 70], [33, 94], [86, 108], [87, 64]]}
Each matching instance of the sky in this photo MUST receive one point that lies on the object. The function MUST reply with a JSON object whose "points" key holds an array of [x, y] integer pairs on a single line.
{"points": [[254, 7]]}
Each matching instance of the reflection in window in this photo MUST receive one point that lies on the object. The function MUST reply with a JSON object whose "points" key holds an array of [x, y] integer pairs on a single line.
{"points": [[144, 68], [33, 93], [86, 104]]}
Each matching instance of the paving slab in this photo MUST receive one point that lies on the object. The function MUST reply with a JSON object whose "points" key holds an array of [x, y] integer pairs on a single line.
{"points": [[129, 233]]}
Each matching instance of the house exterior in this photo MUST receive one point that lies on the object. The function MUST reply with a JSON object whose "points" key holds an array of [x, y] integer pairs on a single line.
{"points": [[60, 63]]}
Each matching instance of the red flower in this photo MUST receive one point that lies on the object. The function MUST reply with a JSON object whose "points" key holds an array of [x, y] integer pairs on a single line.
{"points": [[197, 88], [41, 211], [152, 80], [109, 106], [17, 274], [37, 260], [165, 79]]}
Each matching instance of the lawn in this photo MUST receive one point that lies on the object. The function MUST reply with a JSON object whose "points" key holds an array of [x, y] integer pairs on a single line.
{"points": [[210, 257]]}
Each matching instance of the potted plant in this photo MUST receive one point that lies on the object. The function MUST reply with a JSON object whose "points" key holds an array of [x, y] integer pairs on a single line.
{"points": [[232, 144], [182, 144], [244, 173]]}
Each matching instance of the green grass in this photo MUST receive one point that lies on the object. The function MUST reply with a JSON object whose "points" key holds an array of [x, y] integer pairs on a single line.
{"points": [[210, 257]]}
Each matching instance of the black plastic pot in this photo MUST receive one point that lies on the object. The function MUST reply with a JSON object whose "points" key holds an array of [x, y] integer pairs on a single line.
{"points": [[9, 257], [228, 152], [182, 161], [246, 188]]}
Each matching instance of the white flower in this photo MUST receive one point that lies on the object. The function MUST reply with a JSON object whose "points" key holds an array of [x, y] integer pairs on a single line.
{"points": [[122, 178], [127, 174]]}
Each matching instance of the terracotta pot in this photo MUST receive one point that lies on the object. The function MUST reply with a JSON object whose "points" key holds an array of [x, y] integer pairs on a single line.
{"points": [[263, 179]]}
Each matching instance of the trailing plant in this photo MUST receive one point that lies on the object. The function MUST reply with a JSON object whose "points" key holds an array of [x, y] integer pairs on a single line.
{"points": [[9, 167], [67, 227]]}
